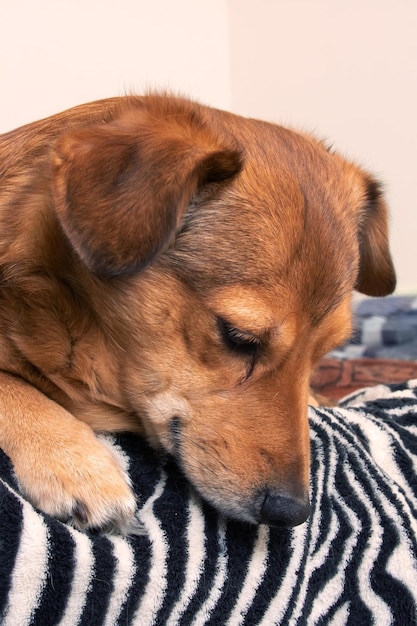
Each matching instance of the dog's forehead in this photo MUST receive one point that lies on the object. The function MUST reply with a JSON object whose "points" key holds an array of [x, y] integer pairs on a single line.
{"points": [[289, 218]]}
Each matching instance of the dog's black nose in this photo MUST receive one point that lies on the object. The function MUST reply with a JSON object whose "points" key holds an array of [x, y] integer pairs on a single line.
{"points": [[284, 511]]}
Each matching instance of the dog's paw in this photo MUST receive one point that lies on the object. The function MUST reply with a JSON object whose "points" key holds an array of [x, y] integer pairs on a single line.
{"points": [[79, 480]]}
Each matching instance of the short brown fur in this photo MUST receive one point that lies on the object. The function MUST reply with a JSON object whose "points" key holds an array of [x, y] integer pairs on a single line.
{"points": [[177, 271]]}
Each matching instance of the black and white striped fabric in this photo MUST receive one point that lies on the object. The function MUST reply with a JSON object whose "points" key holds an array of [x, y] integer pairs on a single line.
{"points": [[354, 562]]}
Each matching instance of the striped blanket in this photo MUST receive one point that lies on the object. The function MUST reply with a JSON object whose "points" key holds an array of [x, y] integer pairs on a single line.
{"points": [[354, 562]]}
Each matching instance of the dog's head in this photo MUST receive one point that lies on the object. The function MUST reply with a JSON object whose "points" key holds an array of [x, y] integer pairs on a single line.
{"points": [[231, 248]]}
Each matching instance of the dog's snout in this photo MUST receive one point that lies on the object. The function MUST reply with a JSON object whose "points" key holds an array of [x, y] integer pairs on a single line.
{"points": [[283, 511]]}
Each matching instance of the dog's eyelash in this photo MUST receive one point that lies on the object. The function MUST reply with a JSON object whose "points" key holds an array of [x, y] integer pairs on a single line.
{"points": [[237, 340]]}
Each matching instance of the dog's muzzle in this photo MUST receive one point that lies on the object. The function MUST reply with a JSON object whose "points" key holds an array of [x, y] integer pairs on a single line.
{"points": [[268, 506]]}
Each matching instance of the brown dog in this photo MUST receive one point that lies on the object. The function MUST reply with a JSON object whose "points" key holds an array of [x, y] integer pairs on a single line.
{"points": [[178, 271]]}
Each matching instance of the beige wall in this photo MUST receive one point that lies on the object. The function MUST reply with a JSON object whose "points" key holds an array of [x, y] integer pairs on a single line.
{"points": [[346, 69], [58, 53]]}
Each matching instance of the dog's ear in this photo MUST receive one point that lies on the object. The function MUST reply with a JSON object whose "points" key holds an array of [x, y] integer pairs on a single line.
{"points": [[376, 270], [121, 189]]}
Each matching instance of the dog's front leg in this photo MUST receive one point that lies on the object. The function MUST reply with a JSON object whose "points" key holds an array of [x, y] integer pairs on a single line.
{"points": [[60, 464]]}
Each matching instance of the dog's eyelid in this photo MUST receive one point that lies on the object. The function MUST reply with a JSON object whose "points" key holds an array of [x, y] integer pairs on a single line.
{"points": [[236, 329], [244, 336], [236, 338]]}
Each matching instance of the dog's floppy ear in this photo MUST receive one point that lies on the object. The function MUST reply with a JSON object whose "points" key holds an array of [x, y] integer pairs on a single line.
{"points": [[376, 271], [121, 189]]}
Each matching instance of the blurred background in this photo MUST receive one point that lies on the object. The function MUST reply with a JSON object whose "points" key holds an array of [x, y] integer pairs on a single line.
{"points": [[346, 70]]}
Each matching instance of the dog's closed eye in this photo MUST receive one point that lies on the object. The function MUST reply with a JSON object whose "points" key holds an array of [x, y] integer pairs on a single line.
{"points": [[238, 341]]}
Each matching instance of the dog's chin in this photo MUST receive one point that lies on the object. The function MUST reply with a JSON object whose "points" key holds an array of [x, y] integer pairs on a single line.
{"points": [[229, 506]]}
